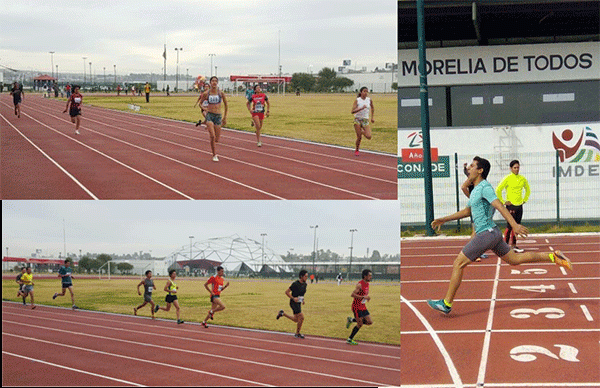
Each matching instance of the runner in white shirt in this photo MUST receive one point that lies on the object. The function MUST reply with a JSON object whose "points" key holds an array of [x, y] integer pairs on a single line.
{"points": [[360, 109]]}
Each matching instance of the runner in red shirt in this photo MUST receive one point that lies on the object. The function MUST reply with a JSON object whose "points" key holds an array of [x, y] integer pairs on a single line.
{"points": [[359, 307], [75, 110], [218, 285], [258, 101]]}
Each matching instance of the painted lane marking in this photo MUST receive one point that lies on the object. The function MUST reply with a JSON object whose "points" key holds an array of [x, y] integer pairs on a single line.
{"points": [[586, 312], [70, 369], [572, 287], [436, 339], [488, 330]]}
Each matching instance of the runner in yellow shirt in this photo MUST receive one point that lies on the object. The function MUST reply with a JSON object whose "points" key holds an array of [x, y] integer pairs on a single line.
{"points": [[27, 280], [514, 185]]}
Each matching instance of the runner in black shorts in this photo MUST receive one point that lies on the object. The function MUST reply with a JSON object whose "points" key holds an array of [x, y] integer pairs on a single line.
{"points": [[75, 107], [20, 283], [296, 293], [171, 297], [17, 93]]}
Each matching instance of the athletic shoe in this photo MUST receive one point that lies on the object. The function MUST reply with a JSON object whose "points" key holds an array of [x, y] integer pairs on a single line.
{"points": [[298, 335], [348, 322], [204, 324], [55, 295], [259, 144], [562, 260], [251, 123], [215, 158], [351, 341], [484, 256], [198, 123], [179, 321], [280, 314], [156, 308], [24, 302], [134, 311], [75, 307], [76, 132], [439, 305], [518, 250], [356, 153]]}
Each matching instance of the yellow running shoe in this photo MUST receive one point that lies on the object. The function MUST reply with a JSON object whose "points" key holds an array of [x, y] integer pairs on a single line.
{"points": [[562, 260]]}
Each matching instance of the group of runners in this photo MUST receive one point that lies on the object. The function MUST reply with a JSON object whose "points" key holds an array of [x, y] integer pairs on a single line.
{"points": [[213, 103], [215, 285]]}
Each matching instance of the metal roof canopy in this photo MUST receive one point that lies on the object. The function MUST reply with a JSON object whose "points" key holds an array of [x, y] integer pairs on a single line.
{"points": [[492, 22]]}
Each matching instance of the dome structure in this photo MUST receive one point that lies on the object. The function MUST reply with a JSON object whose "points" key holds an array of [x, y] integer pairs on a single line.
{"points": [[234, 253]]}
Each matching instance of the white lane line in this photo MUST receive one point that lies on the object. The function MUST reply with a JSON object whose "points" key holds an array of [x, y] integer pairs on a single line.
{"points": [[586, 312], [109, 157], [488, 329], [157, 154], [52, 160], [436, 339], [563, 270], [70, 369], [572, 287], [196, 353], [138, 359], [221, 343], [55, 310]]}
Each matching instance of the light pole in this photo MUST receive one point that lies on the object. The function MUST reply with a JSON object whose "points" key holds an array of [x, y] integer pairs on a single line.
{"points": [[191, 238], [52, 61], [56, 73], [84, 58], [6, 251], [314, 246], [177, 74], [351, 247], [91, 78], [211, 65], [262, 257], [115, 66], [187, 79], [104, 68]]}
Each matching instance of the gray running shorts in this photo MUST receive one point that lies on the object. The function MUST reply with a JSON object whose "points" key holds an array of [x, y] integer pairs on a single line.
{"points": [[489, 239]]}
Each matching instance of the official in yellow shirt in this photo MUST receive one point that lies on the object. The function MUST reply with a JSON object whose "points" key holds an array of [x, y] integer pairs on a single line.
{"points": [[514, 185]]}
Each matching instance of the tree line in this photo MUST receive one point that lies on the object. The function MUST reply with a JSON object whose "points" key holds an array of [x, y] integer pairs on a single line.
{"points": [[325, 81]]}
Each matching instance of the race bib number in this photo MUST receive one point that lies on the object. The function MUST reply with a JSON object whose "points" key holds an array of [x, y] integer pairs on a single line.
{"points": [[259, 107], [300, 299], [77, 100], [364, 301], [150, 289], [220, 288]]}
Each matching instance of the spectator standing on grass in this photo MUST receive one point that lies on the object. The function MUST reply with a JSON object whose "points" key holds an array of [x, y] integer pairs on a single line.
{"points": [[339, 278], [171, 289], [65, 275], [27, 279], [148, 284], [296, 292], [359, 306], [361, 108], [514, 185], [68, 90], [147, 90], [215, 285]]}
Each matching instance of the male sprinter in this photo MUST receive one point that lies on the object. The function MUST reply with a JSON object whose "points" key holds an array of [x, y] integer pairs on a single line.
{"points": [[359, 305], [481, 205], [296, 293], [218, 285], [64, 273]]}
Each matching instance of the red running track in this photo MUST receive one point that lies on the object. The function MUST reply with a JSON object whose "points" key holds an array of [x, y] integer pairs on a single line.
{"points": [[121, 155], [59, 347], [533, 325]]}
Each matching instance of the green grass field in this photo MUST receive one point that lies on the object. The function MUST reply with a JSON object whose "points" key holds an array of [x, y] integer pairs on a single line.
{"points": [[250, 303], [323, 118]]}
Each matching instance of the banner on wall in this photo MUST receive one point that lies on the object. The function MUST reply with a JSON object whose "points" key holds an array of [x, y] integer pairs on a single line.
{"points": [[502, 64]]}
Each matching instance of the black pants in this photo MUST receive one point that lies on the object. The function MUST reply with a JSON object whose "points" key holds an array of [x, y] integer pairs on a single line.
{"points": [[517, 213], [147, 97]]}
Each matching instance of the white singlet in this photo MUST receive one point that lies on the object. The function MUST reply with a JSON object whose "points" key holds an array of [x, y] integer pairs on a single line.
{"points": [[363, 114]]}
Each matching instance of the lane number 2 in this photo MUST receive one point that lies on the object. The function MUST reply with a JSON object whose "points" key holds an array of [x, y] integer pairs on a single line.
{"points": [[527, 353]]}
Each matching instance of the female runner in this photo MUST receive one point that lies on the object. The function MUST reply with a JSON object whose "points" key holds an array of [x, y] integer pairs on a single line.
{"points": [[214, 118], [360, 109], [258, 100]]}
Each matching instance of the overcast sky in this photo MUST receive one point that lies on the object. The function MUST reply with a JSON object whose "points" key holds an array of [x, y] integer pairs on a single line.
{"points": [[164, 227], [244, 35]]}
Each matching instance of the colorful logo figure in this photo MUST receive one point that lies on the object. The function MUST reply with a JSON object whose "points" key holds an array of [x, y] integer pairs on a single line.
{"points": [[573, 149], [416, 139]]}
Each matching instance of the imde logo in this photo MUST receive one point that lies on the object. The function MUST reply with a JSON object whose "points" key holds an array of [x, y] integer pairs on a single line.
{"points": [[577, 147]]}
